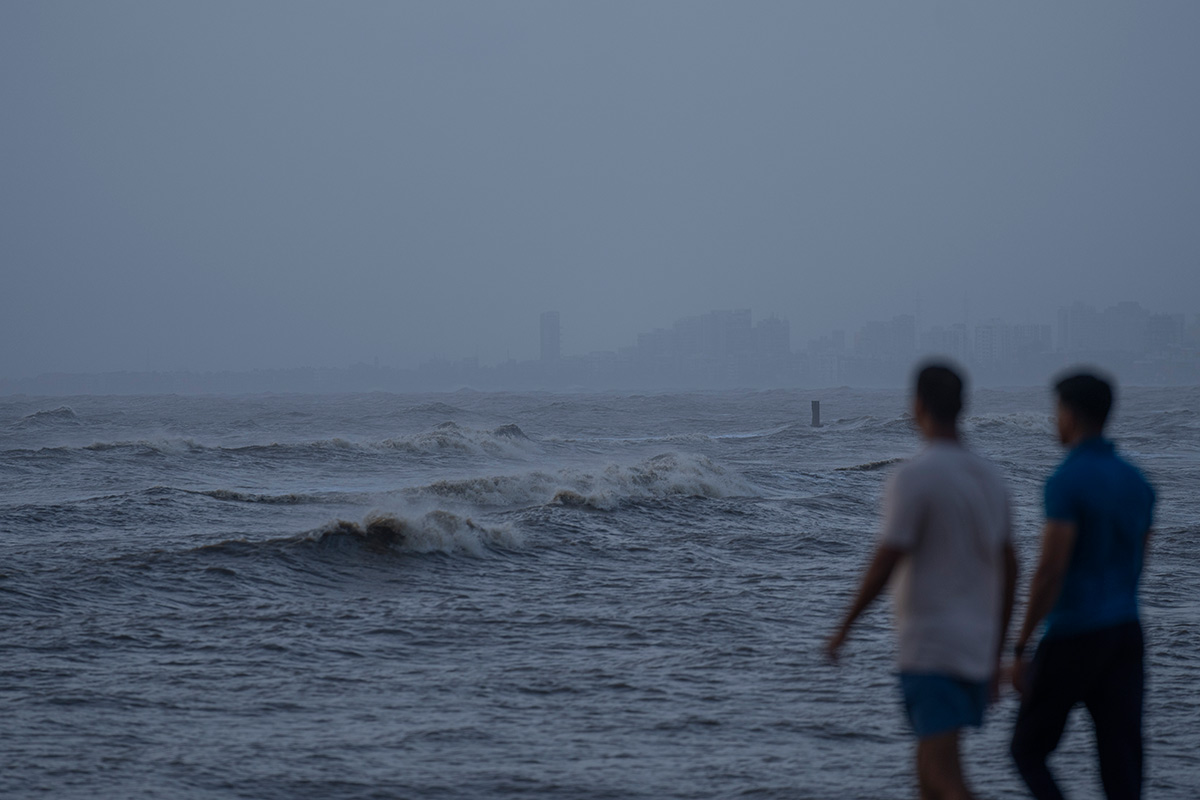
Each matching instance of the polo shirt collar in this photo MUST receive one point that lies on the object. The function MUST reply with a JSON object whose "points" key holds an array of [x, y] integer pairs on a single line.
{"points": [[1093, 444]]}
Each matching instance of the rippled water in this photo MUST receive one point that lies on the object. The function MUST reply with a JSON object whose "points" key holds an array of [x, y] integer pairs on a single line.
{"points": [[493, 595]]}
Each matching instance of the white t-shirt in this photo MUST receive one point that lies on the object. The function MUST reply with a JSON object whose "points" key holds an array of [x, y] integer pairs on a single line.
{"points": [[949, 511]]}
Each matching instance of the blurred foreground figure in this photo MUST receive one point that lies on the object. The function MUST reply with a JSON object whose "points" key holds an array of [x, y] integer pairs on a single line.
{"points": [[947, 534], [1098, 516]]}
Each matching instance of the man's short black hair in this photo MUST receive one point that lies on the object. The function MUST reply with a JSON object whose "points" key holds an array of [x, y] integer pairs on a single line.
{"points": [[940, 390], [1089, 396]]}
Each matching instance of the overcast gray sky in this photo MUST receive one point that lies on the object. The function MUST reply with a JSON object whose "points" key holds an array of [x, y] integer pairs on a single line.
{"points": [[234, 185]]}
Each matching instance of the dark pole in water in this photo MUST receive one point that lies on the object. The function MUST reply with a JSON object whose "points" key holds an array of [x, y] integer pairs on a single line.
{"points": [[816, 408]]}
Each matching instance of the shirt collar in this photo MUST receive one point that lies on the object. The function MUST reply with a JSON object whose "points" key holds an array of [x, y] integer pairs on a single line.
{"points": [[1094, 444]]}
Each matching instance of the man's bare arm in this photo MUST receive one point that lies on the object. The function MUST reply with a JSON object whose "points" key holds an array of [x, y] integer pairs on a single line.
{"points": [[873, 582], [1011, 571], [1058, 541]]}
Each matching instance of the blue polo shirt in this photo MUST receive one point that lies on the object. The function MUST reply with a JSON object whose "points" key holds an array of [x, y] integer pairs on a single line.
{"points": [[1111, 505]]}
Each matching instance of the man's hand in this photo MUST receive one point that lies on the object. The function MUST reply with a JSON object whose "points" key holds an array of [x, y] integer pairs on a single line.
{"points": [[873, 581], [995, 683], [834, 644], [1058, 543], [1020, 675]]}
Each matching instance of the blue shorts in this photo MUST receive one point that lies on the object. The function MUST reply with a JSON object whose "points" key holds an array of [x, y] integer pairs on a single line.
{"points": [[937, 703]]}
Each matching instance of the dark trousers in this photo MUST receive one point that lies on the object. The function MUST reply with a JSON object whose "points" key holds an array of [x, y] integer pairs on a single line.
{"points": [[1103, 670]]}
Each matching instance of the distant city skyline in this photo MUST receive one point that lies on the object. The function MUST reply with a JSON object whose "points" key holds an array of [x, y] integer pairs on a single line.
{"points": [[1124, 326], [729, 348]]}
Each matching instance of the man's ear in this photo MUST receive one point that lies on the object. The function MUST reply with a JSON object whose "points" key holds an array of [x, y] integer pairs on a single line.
{"points": [[1067, 422]]}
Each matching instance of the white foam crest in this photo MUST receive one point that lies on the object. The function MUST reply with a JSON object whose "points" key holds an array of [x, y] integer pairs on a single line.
{"points": [[63, 415], [445, 438], [528, 488], [675, 438], [445, 532], [665, 475], [757, 434], [693, 438], [436, 531], [660, 476], [451, 437], [865, 422]]}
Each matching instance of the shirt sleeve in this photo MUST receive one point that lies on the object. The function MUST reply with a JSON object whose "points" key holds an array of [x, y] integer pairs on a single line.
{"points": [[1059, 502], [901, 513]]}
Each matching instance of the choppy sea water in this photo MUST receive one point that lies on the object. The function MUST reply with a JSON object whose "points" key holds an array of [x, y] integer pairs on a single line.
{"points": [[507, 595]]}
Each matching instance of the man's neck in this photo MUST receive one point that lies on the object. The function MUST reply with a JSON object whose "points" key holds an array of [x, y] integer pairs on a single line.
{"points": [[946, 434], [1083, 435]]}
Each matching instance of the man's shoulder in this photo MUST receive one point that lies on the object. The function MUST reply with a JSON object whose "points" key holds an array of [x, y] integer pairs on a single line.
{"points": [[1130, 468], [1073, 467], [1133, 476], [983, 465], [936, 463], [1069, 473], [1084, 464], [1080, 475], [942, 457], [922, 463]]}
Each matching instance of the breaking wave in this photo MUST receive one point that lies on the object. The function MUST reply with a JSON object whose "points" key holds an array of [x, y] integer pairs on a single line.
{"points": [[660, 476], [56, 416], [436, 531], [673, 438], [446, 438], [452, 437], [437, 409]]}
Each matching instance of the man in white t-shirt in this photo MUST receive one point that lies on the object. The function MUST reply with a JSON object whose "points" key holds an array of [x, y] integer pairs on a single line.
{"points": [[947, 537]]}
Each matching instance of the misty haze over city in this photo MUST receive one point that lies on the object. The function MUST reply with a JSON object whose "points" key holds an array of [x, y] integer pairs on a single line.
{"points": [[230, 187]]}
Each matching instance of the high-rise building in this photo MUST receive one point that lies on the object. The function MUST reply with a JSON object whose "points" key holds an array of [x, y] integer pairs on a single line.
{"points": [[1166, 332], [1126, 328], [992, 342], [996, 341], [896, 339], [550, 336], [951, 342], [773, 338], [1080, 329]]}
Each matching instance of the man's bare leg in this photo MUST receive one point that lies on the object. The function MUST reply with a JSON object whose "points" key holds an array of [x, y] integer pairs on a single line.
{"points": [[939, 769]]}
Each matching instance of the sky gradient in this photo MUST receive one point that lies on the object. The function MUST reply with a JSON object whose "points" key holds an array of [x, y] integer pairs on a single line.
{"points": [[228, 185]]}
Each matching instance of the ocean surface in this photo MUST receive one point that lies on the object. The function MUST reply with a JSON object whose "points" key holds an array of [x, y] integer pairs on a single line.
{"points": [[508, 595]]}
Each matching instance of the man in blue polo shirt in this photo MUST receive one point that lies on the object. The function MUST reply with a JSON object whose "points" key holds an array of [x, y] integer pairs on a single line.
{"points": [[1098, 516]]}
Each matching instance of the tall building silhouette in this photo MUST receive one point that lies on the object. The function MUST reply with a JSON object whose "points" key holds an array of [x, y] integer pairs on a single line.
{"points": [[550, 336]]}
